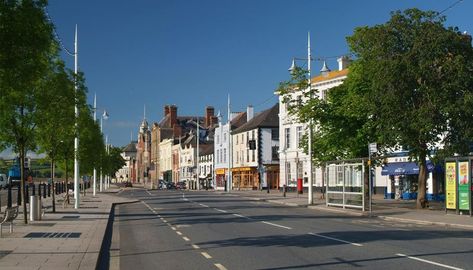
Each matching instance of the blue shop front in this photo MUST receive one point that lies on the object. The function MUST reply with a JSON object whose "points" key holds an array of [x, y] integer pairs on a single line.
{"points": [[402, 180]]}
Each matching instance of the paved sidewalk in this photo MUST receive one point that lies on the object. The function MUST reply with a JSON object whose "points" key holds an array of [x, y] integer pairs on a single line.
{"points": [[402, 211], [67, 239]]}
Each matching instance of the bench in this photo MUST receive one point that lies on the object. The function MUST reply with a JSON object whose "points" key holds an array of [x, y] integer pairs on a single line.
{"points": [[9, 215]]}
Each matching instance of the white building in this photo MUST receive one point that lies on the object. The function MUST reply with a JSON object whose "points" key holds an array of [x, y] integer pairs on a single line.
{"points": [[294, 163], [221, 151], [255, 146], [206, 164], [125, 174], [165, 159]]}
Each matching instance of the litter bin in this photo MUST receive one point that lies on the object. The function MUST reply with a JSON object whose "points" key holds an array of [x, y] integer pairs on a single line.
{"points": [[299, 185], [35, 208]]}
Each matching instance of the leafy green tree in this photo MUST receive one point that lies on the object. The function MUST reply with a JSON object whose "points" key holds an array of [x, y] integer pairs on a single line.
{"points": [[113, 161], [91, 145], [27, 48], [415, 78], [56, 118]]}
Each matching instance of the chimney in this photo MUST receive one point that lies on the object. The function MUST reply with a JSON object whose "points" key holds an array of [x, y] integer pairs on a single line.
{"points": [[249, 113], [173, 114], [209, 113], [343, 62], [166, 110], [176, 130]]}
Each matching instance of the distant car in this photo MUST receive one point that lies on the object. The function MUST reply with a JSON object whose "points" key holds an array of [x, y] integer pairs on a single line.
{"points": [[3, 181], [181, 185], [128, 184]]}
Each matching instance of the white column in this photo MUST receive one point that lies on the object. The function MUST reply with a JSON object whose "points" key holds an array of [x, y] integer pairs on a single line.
{"points": [[310, 180], [76, 139]]}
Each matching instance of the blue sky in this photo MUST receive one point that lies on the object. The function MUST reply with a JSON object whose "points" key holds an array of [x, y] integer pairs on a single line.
{"points": [[195, 53]]}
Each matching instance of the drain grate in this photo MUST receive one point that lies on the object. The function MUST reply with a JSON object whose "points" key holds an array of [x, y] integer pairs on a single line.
{"points": [[70, 217], [53, 235]]}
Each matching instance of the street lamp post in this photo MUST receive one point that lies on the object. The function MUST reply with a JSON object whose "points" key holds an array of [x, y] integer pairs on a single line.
{"points": [[76, 139], [291, 69], [104, 117]]}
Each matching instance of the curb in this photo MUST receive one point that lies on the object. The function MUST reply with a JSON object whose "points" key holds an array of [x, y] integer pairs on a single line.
{"points": [[422, 222]]}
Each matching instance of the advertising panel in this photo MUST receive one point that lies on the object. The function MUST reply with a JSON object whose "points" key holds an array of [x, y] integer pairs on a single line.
{"points": [[463, 186], [450, 185]]}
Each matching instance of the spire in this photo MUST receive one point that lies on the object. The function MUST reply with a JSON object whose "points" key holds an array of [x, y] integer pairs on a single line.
{"points": [[325, 70], [144, 111]]}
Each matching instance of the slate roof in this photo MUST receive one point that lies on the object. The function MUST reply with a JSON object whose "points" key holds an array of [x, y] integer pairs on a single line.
{"points": [[131, 147], [265, 119]]}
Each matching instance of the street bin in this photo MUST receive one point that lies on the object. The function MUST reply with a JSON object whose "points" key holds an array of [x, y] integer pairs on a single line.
{"points": [[299, 186], [35, 208]]}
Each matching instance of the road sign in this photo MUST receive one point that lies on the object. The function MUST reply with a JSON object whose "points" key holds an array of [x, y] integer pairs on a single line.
{"points": [[373, 148]]}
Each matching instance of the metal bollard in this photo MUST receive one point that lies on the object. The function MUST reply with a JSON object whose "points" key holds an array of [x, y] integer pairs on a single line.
{"points": [[49, 190], [284, 190], [18, 197], [44, 191], [33, 189], [27, 195], [35, 208], [39, 190]]}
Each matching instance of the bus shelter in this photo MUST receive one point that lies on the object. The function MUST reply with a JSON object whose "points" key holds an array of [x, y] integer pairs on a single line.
{"points": [[345, 185], [458, 183]]}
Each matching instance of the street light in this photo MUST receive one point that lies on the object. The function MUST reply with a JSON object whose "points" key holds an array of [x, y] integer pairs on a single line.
{"points": [[103, 117], [292, 70]]}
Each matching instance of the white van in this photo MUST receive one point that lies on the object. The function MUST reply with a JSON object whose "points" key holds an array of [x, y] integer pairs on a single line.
{"points": [[3, 180]]}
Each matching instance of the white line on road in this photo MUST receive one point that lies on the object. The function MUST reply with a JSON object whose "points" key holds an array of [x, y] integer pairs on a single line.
{"points": [[195, 246], [186, 239], [219, 266], [336, 239], [173, 228], [220, 210], [206, 255], [431, 262], [178, 232], [149, 193], [238, 215], [276, 225], [203, 205]]}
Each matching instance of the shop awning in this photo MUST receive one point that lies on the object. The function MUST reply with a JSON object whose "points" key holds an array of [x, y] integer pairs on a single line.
{"points": [[404, 168]]}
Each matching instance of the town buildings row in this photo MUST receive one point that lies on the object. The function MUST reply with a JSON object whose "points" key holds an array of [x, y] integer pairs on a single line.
{"points": [[260, 150]]}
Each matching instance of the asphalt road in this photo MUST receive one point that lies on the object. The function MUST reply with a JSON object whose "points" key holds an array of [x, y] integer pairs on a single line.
{"points": [[206, 230]]}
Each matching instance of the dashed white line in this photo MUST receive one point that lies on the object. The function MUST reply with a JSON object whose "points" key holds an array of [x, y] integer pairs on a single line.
{"points": [[201, 204], [238, 215], [206, 255], [173, 228], [195, 246], [276, 225], [149, 193], [430, 262], [219, 266], [178, 232], [336, 239], [186, 239], [220, 210]]}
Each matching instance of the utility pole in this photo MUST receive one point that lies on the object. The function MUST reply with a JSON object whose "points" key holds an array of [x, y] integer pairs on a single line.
{"points": [[311, 195], [95, 120], [229, 146], [76, 139]]}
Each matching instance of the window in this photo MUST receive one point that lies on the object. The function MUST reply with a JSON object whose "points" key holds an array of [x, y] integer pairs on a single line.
{"points": [[275, 134], [242, 138], [247, 138], [253, 134], [237, 158], [274, 153], [224, 137], [253, 155], [242, 156], [287, 136], [247, 155], [218, 156], [224, 155], [218, 139], [236, 139], [299, 136]]}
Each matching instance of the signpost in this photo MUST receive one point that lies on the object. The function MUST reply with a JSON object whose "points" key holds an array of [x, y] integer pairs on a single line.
{"points": [[372, 149]]}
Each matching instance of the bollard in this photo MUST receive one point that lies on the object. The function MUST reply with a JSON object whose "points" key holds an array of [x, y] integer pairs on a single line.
{"points": [[39, 190], [18, 196], [33, 189], [35, 208], [9, 197], [27, 195], [49, 190], [284, 190], [44, 190]]}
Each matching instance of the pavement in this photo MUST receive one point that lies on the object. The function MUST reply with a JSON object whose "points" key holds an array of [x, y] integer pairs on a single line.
{"points": [[67, 239], [397, 210]]}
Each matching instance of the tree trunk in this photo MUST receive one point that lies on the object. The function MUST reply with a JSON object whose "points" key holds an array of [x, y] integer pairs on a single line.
{"points": [[422, 183], [52, 185], [22, 182], [67, 185]]}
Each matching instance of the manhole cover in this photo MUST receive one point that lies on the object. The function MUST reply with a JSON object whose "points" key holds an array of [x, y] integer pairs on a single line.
{"points": [[53, 235]]}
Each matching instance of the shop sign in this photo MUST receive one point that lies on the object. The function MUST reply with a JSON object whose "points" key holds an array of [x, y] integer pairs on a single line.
{"points": [[220, 171], [450, 185], [463, 186]]}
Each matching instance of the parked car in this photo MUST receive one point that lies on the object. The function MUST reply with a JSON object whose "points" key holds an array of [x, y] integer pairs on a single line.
{"points": [[181, 185], [3, 181]]}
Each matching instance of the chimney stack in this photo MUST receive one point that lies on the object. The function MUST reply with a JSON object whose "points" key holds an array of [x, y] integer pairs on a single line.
{"points": [[249, 113], [209, 113], [343, 62], [166, 110], [173, 114]]}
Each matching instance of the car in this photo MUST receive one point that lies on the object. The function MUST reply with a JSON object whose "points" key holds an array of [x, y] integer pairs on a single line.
{"points": [[170, 185], [181, 185], [128, 184]]}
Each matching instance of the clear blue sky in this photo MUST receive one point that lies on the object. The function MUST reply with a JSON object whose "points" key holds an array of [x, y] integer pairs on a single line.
{"points": [[195, 53]]}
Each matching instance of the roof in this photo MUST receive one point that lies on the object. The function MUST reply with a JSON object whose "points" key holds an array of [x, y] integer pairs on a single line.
{"points": [[206, 149], [131, 147], [238, 120], [266, 119], [330, 76]]}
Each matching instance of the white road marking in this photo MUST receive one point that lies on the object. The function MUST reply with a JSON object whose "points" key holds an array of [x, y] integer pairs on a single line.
{"points": [[431, 262], [219, 266], [173, 228], [276, 225], [203, 205], [206, 255], [178, 232], [238, 215], [149, 193], [185, 238], [195, 246], [220, 210], [336, 239]]}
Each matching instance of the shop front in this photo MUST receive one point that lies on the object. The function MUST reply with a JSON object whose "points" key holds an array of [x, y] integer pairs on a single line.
{"points": [[403, 180], [220, 178], [272, 176], [244, 178]]}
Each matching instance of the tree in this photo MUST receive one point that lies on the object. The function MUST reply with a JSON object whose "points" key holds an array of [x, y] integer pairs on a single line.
{"points": [[113, 161], [27, 48], [56, 118]]}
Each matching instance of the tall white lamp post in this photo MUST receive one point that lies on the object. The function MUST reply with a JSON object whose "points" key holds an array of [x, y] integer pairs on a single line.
{"points": [[292, 69], [76, 139], [104, 117]]}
